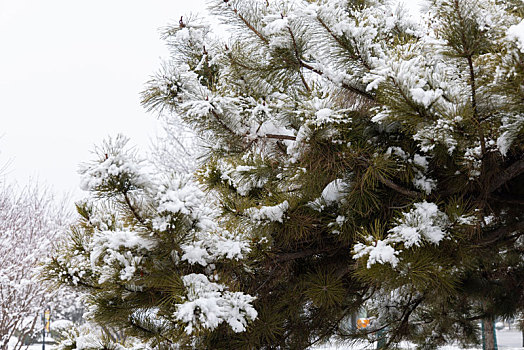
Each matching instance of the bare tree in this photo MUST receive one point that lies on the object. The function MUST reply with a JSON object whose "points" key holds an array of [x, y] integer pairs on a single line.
{"points": [[30, 222]]}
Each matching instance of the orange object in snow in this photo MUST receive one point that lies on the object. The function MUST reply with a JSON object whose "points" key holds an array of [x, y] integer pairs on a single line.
{"points": [[362, 323]]}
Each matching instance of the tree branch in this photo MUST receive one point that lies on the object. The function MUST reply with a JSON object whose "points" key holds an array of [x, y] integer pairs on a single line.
{"points": [[342, 44], [249, 25], [297, 55], [353, 89], [506, 175], [505, 230], [411, 104], [398, 188], [283, 257], [303, 64], [474, 103], [468, 54], [148, 331], [133, 210], [508, 199], [288, 256], [330, 330], [221, 122], [404, 321], [281, 137]]}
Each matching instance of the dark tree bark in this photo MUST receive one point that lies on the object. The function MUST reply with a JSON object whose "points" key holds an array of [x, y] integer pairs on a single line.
{"points": [[489, 334]]}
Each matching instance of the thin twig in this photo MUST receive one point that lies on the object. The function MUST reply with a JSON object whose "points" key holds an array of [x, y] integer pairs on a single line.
{"points": [[221, 122], [297, 55], [249, 25], [398, 188], [133, 209], [280, 137]]}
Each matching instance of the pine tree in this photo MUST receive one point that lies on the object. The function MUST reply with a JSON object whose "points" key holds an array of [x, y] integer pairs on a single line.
{"points": [[355, 158]]}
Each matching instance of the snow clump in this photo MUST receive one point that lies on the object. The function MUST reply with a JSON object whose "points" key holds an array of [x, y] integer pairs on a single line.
{"points": [[424, 223], [271, 213], [209, 304], [516, 32]]}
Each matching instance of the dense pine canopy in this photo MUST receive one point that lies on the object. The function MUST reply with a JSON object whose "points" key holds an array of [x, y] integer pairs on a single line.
{"points": [[352, 158]]}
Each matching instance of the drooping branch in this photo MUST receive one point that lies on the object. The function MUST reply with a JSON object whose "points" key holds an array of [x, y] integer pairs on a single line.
{"points": [[404, 320], [281, 137], [398, 188], [508, 174], [502, 232]]}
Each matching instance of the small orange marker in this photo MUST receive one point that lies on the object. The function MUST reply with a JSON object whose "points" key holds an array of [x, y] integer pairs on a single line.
{"points": [[362, 323]]}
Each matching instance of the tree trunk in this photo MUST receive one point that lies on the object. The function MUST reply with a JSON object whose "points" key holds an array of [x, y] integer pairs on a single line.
{"points": [[354, 321], [488, 334], [381, 339]]}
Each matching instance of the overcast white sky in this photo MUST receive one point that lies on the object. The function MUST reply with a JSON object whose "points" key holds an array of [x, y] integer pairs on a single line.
{"points": [[70, 74]]}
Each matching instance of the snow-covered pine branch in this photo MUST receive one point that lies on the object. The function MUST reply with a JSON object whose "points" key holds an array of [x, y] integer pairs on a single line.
{"points": [[351, 157]]}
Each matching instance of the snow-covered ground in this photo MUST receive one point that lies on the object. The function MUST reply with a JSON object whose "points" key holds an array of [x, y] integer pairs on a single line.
{"points": [[506, 339], [509, 339], [37, 346]]}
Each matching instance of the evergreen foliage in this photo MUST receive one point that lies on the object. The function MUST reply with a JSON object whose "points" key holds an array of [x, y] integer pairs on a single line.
{"points": [[355, 158]]}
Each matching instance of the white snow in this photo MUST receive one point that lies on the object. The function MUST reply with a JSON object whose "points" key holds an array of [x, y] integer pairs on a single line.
{"points": [[324, 113], [425, 97], [208, 305], [271, 213], [335, 191], [183, 200], [117, 250], [275, 25], [424, 221], [242, 176], [421, 181], [195, 254], [87, 341], [506, 339], [61, 324], [213, 246], [516, 32], [380, 252], [121, 164], [511, 126]]}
